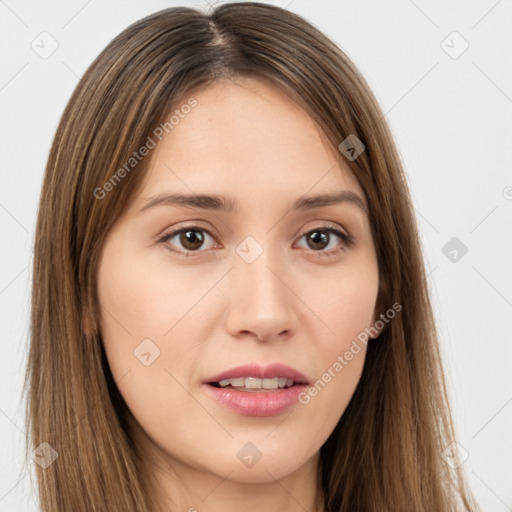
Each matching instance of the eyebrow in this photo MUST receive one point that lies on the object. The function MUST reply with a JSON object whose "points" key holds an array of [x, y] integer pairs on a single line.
{"points": [[228, 204]]}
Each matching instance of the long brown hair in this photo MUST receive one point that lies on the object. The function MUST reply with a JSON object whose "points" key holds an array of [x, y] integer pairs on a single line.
{"points": [[385, 454]]}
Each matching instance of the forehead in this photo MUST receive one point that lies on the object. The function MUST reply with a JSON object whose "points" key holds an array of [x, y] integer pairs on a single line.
{"points": [[245, 137]]}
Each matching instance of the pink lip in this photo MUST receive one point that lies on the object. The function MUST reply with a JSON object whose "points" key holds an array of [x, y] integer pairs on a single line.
{"points": [[258, 403], [261, 372]]}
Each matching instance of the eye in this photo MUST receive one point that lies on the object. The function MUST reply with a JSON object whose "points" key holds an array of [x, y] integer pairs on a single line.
{"points": [[320, 238], [191, 239]]}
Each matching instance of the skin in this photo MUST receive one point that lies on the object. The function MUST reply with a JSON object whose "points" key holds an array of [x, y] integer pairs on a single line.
{"points": [[212, 311]]}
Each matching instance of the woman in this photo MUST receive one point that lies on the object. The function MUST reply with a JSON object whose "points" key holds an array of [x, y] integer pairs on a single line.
{"points": [[230, 308]]}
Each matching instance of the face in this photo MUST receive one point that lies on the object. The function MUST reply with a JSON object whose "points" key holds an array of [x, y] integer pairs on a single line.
{"points": [[189, 292]]}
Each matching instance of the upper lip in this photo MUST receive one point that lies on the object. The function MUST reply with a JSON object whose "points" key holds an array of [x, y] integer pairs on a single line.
{"points": [[261, 372]]}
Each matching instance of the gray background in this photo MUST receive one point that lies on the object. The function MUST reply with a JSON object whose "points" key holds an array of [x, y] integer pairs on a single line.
{"points": [[450, 114]]}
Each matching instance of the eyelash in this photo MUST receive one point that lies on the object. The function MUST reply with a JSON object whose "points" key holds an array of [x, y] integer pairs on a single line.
{"points": [[347, 240]]}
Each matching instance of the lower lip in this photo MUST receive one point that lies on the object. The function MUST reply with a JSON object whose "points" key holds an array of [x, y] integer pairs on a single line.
{"points": [[257, 403]]}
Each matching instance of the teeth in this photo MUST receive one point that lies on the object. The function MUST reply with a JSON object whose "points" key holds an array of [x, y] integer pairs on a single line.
{"points": [[255, 383], [270, 383]]}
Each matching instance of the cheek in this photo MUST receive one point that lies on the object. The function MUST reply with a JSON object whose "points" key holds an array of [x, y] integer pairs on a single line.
{"points": [[346, 306], [324, 402], [134, 298], [151, 322], [140, 299]]}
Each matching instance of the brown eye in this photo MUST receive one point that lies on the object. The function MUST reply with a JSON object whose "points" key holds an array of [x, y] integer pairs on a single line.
{"points": [[191, 239], [321, 238], [187, 240]]}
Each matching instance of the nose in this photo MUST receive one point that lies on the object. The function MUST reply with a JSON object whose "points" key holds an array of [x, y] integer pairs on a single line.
{"points": [[261, 303]]}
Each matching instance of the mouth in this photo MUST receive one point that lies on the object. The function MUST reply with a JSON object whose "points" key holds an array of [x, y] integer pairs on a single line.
{"points": [[254, 384], [254, 390]]}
